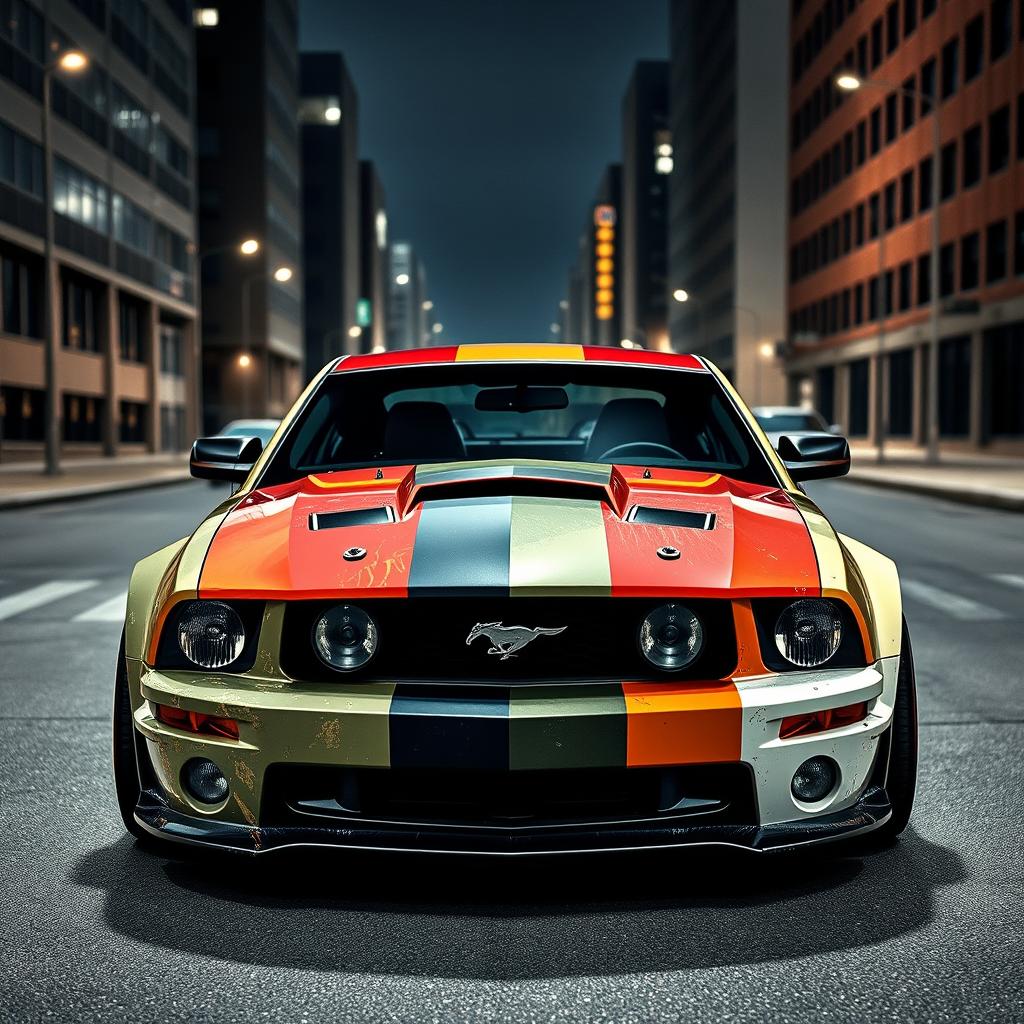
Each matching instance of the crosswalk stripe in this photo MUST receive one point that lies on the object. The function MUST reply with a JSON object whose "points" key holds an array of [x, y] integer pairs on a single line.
{"points": [[1009, 578], [107, 611], [45, 593], [952, 604]]}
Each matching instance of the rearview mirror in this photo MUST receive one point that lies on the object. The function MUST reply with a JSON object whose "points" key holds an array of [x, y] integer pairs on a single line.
{"points": [[524, 398], [224, 458], [814, 455]]}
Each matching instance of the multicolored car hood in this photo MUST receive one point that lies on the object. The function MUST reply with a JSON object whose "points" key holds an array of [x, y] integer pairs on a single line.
{"points": [[515, 528]]}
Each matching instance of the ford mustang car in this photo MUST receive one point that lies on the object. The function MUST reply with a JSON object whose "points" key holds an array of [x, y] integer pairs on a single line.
{"points": [[516, 599]]}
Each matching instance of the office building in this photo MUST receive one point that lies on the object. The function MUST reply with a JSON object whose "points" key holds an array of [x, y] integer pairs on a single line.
{"points": [[595, 281], [408, 325], [124, 368], [909, 340], [727, 203], [371, 307], [249, 187], [331, 187], [643, 231]]}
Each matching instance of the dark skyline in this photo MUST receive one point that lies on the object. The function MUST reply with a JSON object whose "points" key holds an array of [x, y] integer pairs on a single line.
{"points": [[491, 123]]}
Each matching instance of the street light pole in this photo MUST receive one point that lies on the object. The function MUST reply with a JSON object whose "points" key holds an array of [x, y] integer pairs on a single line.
{"points": [[52, 422], [282, 274], [849, 81]]}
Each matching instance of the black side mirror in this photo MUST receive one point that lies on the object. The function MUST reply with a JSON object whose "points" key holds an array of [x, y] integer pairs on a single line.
{"points": [[814, 455], [224, 458]]}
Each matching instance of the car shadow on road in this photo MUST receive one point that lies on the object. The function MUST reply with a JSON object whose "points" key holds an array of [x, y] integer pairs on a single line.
{"points": [[511, 920]]}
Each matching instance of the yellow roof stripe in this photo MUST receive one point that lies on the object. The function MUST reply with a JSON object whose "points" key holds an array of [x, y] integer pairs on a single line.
{"points": [[500, 353], [706, 482]]}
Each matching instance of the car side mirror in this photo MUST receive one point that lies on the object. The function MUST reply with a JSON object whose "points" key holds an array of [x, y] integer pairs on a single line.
{"points": [[224, 458], [814, 455]]}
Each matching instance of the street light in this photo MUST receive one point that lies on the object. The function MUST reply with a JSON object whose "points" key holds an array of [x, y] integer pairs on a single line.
{"points": [[70, 61], [283, 274], [249, 247], [355, 331], [848, 81], [402, 279], [428, 305], [681, 295], [245, 360]]}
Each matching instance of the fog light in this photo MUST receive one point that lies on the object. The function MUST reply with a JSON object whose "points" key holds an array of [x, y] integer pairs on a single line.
{"points": [[671, 637], [815, 779], [204, 780]]}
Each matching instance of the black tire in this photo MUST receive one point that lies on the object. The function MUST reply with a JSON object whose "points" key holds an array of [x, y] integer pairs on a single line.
{"points": [[901, 782], [125, 760]]}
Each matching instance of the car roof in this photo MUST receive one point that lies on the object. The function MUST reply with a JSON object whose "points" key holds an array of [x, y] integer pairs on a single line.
{"points": [[782, 410], [541, 353]]}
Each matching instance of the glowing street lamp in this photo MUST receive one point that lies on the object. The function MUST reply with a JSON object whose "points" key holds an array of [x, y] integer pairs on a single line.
{"points": [[681, 295], [249, 247], [283, 274], [245, 360], [848, 82]]}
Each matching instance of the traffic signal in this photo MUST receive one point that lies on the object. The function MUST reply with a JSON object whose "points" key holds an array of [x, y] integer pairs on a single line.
{"points": [[604, 261]]}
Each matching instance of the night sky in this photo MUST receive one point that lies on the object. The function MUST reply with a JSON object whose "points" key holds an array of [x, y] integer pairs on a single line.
{"points": [[490, 122]]}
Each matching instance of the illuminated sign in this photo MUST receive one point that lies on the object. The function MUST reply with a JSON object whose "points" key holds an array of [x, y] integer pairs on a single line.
{"points": [[604, 261], [364, 312]]}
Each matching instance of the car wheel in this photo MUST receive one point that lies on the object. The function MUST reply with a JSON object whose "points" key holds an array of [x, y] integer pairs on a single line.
{"points": [[901, 782], [125, 759]]}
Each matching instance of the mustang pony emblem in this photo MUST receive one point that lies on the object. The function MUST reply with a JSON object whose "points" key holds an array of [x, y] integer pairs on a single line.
{"points": [[508, 639]]}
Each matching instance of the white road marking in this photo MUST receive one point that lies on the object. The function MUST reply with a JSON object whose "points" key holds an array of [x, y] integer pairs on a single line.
{"points": [[107, 611], [45, 593], [952, 604], [1008, 578]]}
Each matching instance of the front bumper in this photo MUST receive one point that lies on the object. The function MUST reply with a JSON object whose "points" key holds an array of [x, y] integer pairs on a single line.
{"points": [[563, 729]]}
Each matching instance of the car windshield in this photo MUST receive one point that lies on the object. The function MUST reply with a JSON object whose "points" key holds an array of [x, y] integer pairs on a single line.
{"points": [[777, 423], [582, 413]]}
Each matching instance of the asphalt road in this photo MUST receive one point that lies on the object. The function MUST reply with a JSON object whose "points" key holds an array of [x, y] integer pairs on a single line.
{"points": [[93, 929]]}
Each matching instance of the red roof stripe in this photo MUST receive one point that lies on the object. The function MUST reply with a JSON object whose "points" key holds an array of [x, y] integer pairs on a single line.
{"points": [[602, 354]]}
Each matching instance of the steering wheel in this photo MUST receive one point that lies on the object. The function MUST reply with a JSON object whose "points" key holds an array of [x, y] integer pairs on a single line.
{"points": [[641, 449]]}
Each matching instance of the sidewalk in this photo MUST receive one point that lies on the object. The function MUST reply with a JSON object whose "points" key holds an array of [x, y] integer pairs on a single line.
{"points": [[24, 483], [992, 482]]}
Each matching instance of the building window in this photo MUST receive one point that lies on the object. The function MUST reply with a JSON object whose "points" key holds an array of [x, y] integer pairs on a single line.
{"points": [[131, 334], [947, 184], [132, 429], [924, 279], [890, 206], [927, 85], [858, 396], [888, 297], [1004, 370], [906, 294], [79, 197], [172, 428], [995, 252], [21, 413], [901, 392], [83, 418], [82, 314], [128, 115], [955, 386], [950, 67], [858, 303], [909, 16], [999, 139], [969, 261], [132, 225], [974, 47], [21, 162], [858, 217], [907, 195], [876, 130], [892, 26], [21, 290], [909, 102], [825, 392], [928, 8], [873, 297], [892, 107], [862, 146], [873, 216], [1018, 244], [876, 43], [924, 185], [947, 270], [1002, 28], [172, 350], [972, 156]]}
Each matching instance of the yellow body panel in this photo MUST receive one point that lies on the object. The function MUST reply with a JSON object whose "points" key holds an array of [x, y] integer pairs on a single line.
{"points": [[499, 353]]}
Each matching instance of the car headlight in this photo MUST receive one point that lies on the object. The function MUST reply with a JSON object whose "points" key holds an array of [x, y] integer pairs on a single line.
{"points": [[345, 637], [210, 633], [808, 632], [671, 637]]}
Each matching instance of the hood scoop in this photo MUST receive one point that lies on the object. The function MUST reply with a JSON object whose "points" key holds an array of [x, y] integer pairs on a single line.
{"points": [[510, 486], [654, 516], [352, 517]]}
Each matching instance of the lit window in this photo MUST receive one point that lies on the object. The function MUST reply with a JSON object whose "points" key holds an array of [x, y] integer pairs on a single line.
{"points": [[206, 17], [663, 165]]}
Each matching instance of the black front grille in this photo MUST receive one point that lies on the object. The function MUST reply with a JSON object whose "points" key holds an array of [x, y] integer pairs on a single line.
{"points": [[508, 799], [425, 639]]}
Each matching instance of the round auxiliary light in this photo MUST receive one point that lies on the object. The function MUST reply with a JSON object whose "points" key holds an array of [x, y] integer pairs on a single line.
{"points": [[808, 632], [210, 633], [815, 779], [345, 637], [204, 781], [671, 637]]}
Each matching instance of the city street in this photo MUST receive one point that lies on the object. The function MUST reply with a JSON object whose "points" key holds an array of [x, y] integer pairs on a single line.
{"points": [[91, 927]]}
